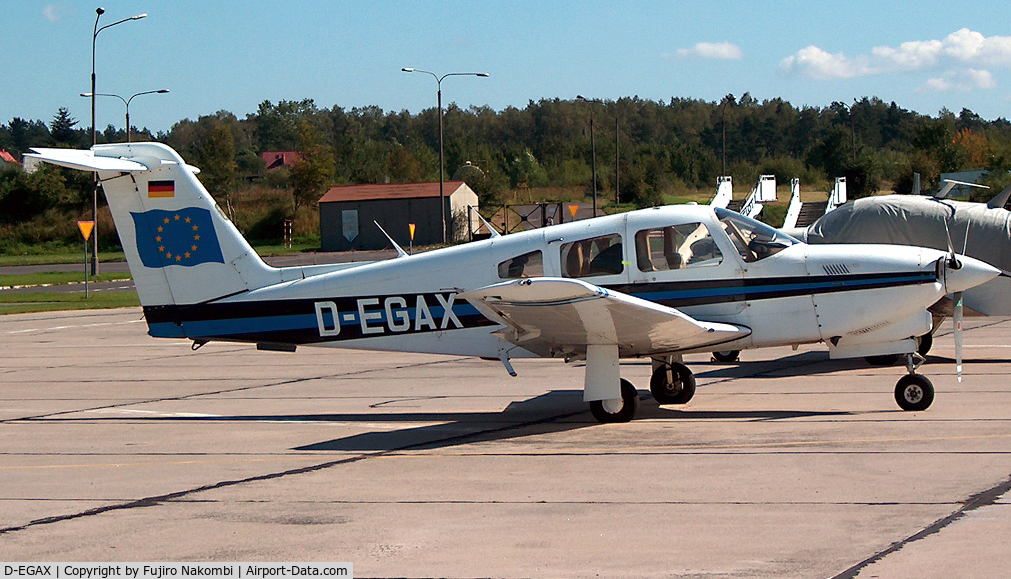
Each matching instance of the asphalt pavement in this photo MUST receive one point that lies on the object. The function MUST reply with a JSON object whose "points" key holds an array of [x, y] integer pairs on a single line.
{"points": [[115, 446]]}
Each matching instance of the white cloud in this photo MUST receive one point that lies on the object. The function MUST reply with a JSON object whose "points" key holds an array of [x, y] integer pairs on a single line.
{"points": [[712, 50], [53, 13], [814, 62], [909, 55], [964, 44], [963, 81], [960, 48]]}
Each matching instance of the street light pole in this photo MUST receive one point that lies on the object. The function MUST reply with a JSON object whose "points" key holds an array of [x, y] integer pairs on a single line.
{"points": [[125, 102], [593, 150], [94, 131], [723, 123], [442, 157], [617, 199]]}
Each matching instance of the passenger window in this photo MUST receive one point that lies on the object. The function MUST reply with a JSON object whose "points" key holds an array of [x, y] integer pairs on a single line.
{"points": [[675, 247], [596, 256], [526, 265]]}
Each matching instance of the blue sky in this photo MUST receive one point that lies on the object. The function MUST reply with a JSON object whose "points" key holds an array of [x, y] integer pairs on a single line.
{"points": [[231, 55]]}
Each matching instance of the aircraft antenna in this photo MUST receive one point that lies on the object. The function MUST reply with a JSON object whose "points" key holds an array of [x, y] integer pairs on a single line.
{"points": [[400, 250]]}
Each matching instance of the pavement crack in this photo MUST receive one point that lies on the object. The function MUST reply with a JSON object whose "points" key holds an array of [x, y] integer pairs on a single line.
{"points": [[185, 494], [976, 501]]}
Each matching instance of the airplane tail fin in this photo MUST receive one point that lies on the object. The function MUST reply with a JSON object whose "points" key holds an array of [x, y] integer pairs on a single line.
{"points": [[180, 247]]}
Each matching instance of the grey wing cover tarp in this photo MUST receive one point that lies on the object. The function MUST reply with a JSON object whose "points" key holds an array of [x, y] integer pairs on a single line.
{"points": [[560, 316], [920, 221]]}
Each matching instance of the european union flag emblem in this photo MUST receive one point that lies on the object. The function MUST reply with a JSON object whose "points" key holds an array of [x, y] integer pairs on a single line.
{"points": [[182, 237]]}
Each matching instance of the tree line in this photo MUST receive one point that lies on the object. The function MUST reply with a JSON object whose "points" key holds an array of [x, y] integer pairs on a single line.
{"points": [[662, 147]]}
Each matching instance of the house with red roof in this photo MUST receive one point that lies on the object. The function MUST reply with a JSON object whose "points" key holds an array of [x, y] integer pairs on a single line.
{"points": [[8, 159], [348, 214], [277, 159]]}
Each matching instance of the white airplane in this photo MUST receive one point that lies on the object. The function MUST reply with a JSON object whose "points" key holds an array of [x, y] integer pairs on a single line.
{"points": [[655, 283]]}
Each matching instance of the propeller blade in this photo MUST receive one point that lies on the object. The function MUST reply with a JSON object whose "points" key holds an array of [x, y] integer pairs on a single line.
{"points": [[947, 234], [957, 315]]}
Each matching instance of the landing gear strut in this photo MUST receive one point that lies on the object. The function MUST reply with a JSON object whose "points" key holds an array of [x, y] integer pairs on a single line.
{"points": [[913, 391]]}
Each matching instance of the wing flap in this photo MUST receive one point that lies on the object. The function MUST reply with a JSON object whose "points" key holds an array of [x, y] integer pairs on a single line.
{"points": [[560, 315]]}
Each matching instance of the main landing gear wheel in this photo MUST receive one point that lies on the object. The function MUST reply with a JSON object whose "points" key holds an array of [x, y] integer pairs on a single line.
{"points": [[914, 392], [623, 410], [727, 357], [672, 384]]}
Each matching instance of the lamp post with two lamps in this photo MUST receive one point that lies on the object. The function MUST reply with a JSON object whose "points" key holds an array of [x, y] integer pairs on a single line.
{"points": [[442, 163], [94, 133], [126, 101]]}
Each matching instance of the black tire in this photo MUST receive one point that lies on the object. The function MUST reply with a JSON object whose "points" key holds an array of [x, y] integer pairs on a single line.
{"points": [[923, 344], [672, 384], [883, 360], [629, 404], [914, 392], [727, 356]]}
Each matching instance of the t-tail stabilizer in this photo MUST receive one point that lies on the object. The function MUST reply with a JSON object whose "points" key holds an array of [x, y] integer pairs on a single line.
{"points": [[180, 246]]}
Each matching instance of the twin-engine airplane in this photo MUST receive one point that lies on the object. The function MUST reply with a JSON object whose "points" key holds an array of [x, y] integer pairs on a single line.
{"points": [[655, 283]]}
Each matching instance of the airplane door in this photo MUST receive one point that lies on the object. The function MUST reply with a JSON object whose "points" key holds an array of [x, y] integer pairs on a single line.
{"points": [[685, 264], [775, 284]]}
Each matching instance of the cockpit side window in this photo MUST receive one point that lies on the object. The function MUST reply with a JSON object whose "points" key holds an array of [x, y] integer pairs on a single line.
{"points": [[595, 256], [754, 240], [675, 247], [526, 265]]}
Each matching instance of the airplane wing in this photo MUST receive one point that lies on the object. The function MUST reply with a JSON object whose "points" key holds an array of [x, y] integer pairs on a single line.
{"points": [[561, 316]]}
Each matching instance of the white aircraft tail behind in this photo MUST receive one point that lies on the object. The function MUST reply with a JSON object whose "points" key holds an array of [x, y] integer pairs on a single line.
{"points": [[165, 217]]}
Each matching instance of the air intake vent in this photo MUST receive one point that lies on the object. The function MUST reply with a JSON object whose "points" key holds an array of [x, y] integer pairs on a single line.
{"points": [[836, 268], [870, 329]]}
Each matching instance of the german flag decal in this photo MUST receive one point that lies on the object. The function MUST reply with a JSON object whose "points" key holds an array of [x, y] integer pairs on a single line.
{"points": [[161, 189]]}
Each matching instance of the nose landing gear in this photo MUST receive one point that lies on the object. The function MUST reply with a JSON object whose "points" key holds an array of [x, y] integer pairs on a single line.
{"points": [[914, 391]]}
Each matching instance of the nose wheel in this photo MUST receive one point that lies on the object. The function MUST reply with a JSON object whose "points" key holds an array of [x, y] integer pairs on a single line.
{"points": [[914, 391]]}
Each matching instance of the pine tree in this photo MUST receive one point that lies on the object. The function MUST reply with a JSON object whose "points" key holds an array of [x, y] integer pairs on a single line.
{"points": [[62, 128]]}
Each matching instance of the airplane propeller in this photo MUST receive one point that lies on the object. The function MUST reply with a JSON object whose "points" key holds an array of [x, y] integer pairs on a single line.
{"points": [[957, 315], [952, 263]]}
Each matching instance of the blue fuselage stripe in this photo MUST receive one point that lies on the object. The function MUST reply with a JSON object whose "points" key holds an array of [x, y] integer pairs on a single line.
{"points": [[295, 321]]}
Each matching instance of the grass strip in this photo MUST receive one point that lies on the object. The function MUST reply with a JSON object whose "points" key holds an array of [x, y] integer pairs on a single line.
{"points": [[20, 303], [56, 278]]}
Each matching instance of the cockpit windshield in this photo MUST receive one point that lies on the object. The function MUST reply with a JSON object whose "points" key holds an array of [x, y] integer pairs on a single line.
{"points": [[754, 240]]}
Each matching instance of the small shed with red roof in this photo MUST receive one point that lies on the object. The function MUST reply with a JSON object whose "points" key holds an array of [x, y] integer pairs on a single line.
{"points": [[347, 213]]}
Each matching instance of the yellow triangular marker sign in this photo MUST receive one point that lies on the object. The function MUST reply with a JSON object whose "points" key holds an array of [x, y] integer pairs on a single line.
{"points": [[411, 227], [573, 209], [86, 227]]}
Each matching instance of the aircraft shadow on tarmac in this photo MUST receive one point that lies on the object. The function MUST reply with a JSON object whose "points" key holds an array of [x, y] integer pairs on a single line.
{"points": [[553, 412]]}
